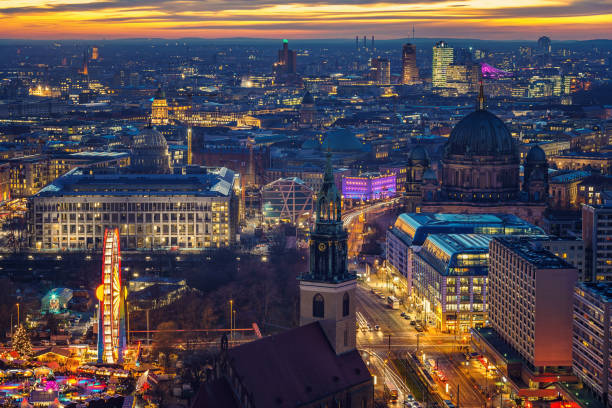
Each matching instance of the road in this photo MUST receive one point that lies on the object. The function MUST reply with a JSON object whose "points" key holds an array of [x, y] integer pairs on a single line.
{"points": [[434, 346]]}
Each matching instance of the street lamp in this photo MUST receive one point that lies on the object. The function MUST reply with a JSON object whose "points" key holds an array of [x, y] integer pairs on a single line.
{"points": [[231, 302], [418, 336]]}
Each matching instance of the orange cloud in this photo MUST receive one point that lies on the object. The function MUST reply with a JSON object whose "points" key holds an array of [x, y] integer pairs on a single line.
{"points": [[510, 19]]}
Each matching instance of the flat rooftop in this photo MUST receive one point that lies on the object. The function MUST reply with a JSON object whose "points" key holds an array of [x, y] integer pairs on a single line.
{"points": [[417, 226], [77, 183], [457, 254], [532, 252], [602, 290]]}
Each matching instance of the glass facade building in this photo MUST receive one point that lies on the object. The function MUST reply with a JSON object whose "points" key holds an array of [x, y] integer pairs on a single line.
{"points": [[450, 280], [410, 231]]}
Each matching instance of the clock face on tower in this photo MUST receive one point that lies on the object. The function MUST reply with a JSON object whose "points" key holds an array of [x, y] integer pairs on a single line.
{"points": [[322, 246]]}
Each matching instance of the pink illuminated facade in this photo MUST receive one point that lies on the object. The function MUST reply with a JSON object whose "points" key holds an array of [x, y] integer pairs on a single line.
{"points": [[369, 186], [489, 71]]}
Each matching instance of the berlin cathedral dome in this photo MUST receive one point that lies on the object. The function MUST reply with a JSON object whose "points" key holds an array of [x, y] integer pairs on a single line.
{"points": [[150, 152], [481, 160], [480, 133], [480, 172]]}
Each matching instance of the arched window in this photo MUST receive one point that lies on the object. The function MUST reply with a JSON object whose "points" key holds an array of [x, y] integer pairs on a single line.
{"points": [[318, 306], [345, 305]]}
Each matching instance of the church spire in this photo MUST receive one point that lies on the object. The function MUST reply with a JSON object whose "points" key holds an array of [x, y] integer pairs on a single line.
{"points": [[481, 97], [329, 201]]}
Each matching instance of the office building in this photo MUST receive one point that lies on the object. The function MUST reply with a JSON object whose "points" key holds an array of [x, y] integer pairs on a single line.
{"points": [[591, 340], [442, 58], [530, 300], [450, 280], [409, 232], [369, 186], [26, 175], [286, 64], [410, 71], [151, 211], [597, 237], [464, 78], [571, 250], [381, 71], [286, 200]]}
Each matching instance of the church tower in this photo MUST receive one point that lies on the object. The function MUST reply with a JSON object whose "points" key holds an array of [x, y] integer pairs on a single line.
{"points": [[327, 290]]}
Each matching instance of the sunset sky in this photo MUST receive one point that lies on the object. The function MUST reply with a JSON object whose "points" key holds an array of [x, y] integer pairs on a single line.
{"points": [[485, 19]]}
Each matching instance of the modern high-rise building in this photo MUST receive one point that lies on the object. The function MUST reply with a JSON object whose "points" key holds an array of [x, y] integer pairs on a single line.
{"points": [[531, 301], [597, 238], [442, 58], [592, 334], [381, 71], [464, 78], [407, 235], [286, 60], [530, 308], [410, 71], [450, 280], [94, 53]]}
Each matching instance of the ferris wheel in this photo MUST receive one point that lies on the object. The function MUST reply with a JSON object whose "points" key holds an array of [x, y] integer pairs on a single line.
{"points": [[111, 324]]}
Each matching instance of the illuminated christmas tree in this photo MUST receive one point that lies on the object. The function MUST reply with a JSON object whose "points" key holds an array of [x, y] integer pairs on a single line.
{"points": [[21, 342]]}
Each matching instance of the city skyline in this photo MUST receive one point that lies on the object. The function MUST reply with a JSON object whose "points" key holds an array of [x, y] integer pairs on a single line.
{"points": [[112, 19]]}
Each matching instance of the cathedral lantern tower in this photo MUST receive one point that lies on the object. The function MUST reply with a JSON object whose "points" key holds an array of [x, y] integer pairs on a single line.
{"points": [[327, 290]]}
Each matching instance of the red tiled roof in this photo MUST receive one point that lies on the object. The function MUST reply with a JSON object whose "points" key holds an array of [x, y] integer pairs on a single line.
{"points": [[295, 367]]}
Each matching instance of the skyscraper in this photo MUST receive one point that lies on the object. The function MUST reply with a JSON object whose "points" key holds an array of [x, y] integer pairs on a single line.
{"points": [[286, 60], [381, 71], [410, 72], [442, 58]]}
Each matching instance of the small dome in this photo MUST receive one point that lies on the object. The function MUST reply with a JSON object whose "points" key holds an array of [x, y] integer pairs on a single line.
{"points": [[308, 99], [150, 153], [419, 155], [341, 140], [535, 155], [480, 133], [149, 138], [429, 174]]}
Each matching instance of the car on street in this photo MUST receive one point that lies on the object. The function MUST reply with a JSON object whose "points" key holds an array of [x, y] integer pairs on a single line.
{"points": [[377, 327], [412, 322], [403, 314], [418, 328]]}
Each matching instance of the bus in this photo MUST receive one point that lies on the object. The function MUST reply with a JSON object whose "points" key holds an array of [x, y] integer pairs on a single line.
{"points": [[392, 391], [393, 302]]}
